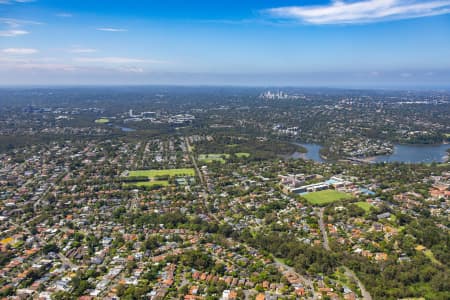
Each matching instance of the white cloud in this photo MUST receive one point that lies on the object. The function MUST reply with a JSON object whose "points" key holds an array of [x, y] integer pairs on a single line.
{"points": [[115, 60], [366, 11], [82, 50], [20, 51], [111, 29], [41, 64], [35, 64], [92, 65], [12, 32], [14, 23], [45, 66], [14, 27]]}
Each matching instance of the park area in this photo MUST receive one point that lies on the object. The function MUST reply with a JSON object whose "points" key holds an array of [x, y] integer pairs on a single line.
{"points": [[326, 197], [154, 176], [242, 155], [364, 205], [161, 173], [210, 158], [102, 121], [221, 158]]}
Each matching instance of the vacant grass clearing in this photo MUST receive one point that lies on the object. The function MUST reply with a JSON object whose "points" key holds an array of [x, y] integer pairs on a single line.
{"points": [[242, 155], [428, 253], [364, 205]]}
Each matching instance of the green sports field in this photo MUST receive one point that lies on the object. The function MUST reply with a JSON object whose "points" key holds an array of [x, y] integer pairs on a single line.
{"points": [[326, 197], [102, 121], [168, 172], [152, 176]]}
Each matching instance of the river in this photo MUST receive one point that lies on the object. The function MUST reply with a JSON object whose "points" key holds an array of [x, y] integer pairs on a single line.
{"points": [[416, 154], [402, 153], [312, 154]]}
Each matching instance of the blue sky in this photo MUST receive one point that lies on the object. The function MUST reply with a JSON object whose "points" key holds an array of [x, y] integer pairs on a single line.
{"points": [[348, 43]]}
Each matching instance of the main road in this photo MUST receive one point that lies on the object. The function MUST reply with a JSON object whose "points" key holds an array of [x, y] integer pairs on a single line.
{"points": [[204, 193], [194, 162], [323, 229]]}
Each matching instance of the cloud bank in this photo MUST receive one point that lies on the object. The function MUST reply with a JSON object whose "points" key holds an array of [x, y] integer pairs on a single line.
{"points": [[12, 32], [13, 27], [116, 60], [366, 11], [19, 51]]}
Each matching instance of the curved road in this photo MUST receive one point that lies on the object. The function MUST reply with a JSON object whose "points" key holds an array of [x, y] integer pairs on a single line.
{"points": [[365, 294], [308, 283]]}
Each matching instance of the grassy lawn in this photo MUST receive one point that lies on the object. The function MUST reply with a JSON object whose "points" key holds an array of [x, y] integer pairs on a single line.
{"points": [[242, 155], [169, 172], [232, 146], [364, 205], [152, 174], [149, 183], [393, 218], [210, 158], [280, 260], [102, 121], [428, 253], [326, 197]]}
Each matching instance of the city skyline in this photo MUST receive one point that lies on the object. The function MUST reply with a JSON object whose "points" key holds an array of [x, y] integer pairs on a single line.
{"points": [[370, 43]]}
